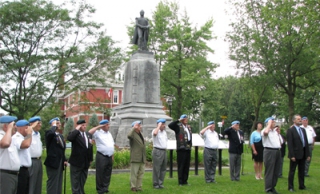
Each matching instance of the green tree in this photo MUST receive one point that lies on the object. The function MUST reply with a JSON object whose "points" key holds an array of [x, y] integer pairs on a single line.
{"points": [[46, 50], [181, 50], [68, 127], [93, 121], [279, 39]]}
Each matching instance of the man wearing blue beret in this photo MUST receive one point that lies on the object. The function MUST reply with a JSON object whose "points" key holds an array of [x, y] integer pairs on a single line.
{"points": [[35, 171], [137, 156], [81, 156], [184, 143], [104, 157], [210, 157], [311, 136], [56, 160], [271, 155], [159, 154], [9, 158], [22, 140], [235, 136]]}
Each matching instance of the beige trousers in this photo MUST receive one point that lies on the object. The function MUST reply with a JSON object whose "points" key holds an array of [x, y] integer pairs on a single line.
{"points": [[137, 172]]}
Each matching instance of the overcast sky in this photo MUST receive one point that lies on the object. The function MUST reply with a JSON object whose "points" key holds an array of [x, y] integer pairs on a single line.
{"points": [[117, 14]]}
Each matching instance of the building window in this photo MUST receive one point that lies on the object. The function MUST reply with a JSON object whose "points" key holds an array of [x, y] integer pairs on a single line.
{"points": [[115, 97]]}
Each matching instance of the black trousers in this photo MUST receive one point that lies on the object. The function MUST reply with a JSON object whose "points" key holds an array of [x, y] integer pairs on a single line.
{"points": [[23, 181], [183, 159], [103, 172], [293, 165]]}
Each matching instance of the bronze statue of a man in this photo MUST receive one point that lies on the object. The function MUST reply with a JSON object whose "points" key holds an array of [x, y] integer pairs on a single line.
{"points": [[141, 33]]}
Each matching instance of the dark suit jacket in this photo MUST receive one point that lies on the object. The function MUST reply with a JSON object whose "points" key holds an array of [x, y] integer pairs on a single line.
{"points": [[295, 146], [283, 146], [137, 147], [235, 145], [55, 149], [81, 156], [175, 126]]}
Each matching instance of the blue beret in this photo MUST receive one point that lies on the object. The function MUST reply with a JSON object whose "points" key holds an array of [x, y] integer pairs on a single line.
{"points": [[22, 123], [183, 117], [210, 122], [304, 118], [161, 121], [139, 122], [235, 122], [7, 119], [103, 122], [54, 119], [267, 119], [34, 119]]}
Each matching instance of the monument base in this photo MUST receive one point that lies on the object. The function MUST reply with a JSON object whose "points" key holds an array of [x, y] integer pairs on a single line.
{"points": [[141, 99]]}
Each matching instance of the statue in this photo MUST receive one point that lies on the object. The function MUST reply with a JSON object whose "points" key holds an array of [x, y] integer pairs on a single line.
{"points": [[141, 32]]}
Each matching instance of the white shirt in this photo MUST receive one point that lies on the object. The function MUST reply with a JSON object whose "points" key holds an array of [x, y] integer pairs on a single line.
{"points": [[24, 154], [211, 139], [160, 140], [271, 140], [9, 158], [36, 145], [187, 130], [310, 133], [104, 142]]}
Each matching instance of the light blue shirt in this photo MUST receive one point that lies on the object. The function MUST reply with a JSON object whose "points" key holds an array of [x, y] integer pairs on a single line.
{"points": [[255, 137], [300, 134]]}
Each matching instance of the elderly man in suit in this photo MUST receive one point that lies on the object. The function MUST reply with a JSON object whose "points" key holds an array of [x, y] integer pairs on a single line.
{"points": [[137, 156], [184, 143], [298, 152], [55, 161], [81, 156], [235, 136]]}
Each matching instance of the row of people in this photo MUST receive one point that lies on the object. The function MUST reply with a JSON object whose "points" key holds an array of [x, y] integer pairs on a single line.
{"points": [[27, 149]]}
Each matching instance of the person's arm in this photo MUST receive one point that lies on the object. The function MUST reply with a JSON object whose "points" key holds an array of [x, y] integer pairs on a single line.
{"points": [[28, 139], [204, 130], [74, 134], [155, 132], [174, 126], [130, 134], [6, 140], [268, 128], [94, 129], [290, 145]]}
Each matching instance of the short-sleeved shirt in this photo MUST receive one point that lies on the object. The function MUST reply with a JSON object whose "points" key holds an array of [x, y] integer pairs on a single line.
{"points": [[24, 154], [104, 142], [211, 139], [310, 133], [271, 140], [160, 140], [255, 137], [9, 158], [36, 145]]}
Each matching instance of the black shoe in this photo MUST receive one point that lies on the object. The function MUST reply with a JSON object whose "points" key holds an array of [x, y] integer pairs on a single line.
{"points": [[306, 175], [291, 190], [303, 188]]}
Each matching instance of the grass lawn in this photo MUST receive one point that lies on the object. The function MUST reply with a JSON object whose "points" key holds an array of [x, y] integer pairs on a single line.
{"points": [[120, 183]]}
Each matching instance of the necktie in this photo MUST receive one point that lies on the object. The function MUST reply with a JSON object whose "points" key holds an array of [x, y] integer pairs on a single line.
{"points": [[301, 136], [84, 138], [60, 140]]}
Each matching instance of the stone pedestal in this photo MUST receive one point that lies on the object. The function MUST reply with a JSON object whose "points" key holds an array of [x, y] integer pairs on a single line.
{"points": [[141, 99]]}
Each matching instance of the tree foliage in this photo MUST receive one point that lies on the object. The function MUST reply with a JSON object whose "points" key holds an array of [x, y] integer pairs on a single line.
{"points": [[279, 39], [93, 121], [181, 51], [46, 49], [69, 126]]}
